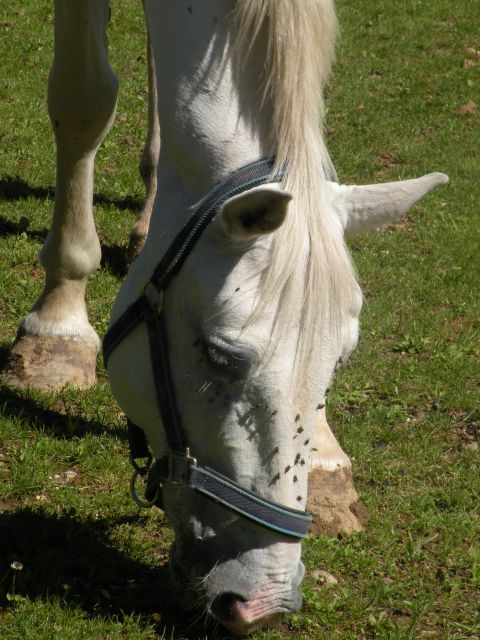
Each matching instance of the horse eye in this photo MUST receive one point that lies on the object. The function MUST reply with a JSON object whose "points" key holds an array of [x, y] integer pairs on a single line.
{"points": [[227, 364]]}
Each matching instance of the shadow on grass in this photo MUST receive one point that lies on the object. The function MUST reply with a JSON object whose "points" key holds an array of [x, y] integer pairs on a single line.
{"points": [[9, 228], [51, 422], [114, 258], [75, 561], [13, 188]]}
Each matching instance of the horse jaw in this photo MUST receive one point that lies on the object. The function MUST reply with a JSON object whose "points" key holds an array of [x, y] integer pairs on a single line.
{"points": [[363, 208]]}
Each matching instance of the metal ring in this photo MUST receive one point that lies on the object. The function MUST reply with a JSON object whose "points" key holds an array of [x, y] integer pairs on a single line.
{"points": [[144, 504]]}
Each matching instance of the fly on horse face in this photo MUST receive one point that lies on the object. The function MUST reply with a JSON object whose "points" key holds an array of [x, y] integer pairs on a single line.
{"points": [[243, 302]]}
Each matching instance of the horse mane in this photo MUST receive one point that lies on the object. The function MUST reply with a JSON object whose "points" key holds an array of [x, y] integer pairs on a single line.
{"points": [[307, 254]]}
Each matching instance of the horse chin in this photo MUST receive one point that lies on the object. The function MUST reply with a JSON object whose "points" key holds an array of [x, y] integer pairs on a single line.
{"points": [[244, 629]]}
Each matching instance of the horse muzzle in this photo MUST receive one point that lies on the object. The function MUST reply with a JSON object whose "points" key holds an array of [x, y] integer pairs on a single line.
{"points": [[235, 595]]}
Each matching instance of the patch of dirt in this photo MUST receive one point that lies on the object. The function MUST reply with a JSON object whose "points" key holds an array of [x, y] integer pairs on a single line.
{"points": [[468, 109], [62, 478], [472, 52], [465, 433], [386, 160]]}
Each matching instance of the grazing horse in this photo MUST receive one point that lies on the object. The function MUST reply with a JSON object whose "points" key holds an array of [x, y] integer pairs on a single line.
{"points": [[243, 302]]}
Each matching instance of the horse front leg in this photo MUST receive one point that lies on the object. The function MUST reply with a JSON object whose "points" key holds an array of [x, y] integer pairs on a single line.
{"points": [[148, 163], [55, 343], [332, 498]]}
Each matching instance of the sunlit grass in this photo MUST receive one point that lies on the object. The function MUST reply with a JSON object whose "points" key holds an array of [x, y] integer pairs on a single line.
{"points": [[406, 407]]}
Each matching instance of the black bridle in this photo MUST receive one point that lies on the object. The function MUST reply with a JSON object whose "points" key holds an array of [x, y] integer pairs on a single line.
{"points": [[178, 466]]}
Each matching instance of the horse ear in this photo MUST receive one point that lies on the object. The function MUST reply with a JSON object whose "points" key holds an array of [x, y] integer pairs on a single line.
{"points": [[255, 212], [368, 207]]}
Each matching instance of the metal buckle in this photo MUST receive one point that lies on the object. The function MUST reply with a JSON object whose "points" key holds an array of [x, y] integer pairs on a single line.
{"points": [[154, 296], [178, 467]]}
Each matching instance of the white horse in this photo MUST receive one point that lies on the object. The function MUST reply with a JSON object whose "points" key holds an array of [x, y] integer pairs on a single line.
{"points": [[265, 306]]}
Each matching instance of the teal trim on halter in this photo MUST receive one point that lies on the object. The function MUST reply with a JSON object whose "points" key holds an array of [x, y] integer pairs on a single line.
{"points": [[290, 522]]}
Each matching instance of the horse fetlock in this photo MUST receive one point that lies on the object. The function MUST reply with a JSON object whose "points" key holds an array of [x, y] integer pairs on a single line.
{"points": [[334, 458], [71, 328], [138, 235], [71, 257], [332, 498], [148, 171], [325, 453], [61, 312]]}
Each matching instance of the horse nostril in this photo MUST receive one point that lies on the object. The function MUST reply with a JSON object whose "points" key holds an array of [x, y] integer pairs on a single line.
{"points": [[225, 606]]}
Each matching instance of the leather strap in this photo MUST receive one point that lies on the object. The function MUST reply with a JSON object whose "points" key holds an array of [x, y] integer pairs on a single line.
{"points": [[271, 515], [186, 472], [166, 399], [137, 441]]}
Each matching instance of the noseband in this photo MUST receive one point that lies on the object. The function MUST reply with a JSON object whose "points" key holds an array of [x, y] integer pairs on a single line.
{"points": [[178, 466]]}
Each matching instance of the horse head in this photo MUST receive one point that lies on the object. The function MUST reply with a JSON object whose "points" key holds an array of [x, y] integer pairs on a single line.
{"points": [[249, 412], [265, 305]]}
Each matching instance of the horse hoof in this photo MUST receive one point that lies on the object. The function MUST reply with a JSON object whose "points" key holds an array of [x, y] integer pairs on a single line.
{"points": [[334, 503], [49, 363]]}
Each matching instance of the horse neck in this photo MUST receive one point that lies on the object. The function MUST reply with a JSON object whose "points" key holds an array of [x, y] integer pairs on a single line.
{"points": [[212, 117]]}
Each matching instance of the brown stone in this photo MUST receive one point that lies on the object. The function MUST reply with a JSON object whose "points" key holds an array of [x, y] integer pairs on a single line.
{"points": [[334, 503], [49, 363]]}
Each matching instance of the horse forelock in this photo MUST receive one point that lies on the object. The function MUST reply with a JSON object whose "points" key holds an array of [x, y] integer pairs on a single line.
{"points": [[308, 264]]}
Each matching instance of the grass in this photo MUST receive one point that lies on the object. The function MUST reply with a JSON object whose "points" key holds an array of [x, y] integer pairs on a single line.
{"points": [[406, 407]]}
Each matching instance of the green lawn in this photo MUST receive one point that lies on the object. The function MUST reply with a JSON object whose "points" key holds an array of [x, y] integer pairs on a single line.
{"points": [[406, 408]]}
